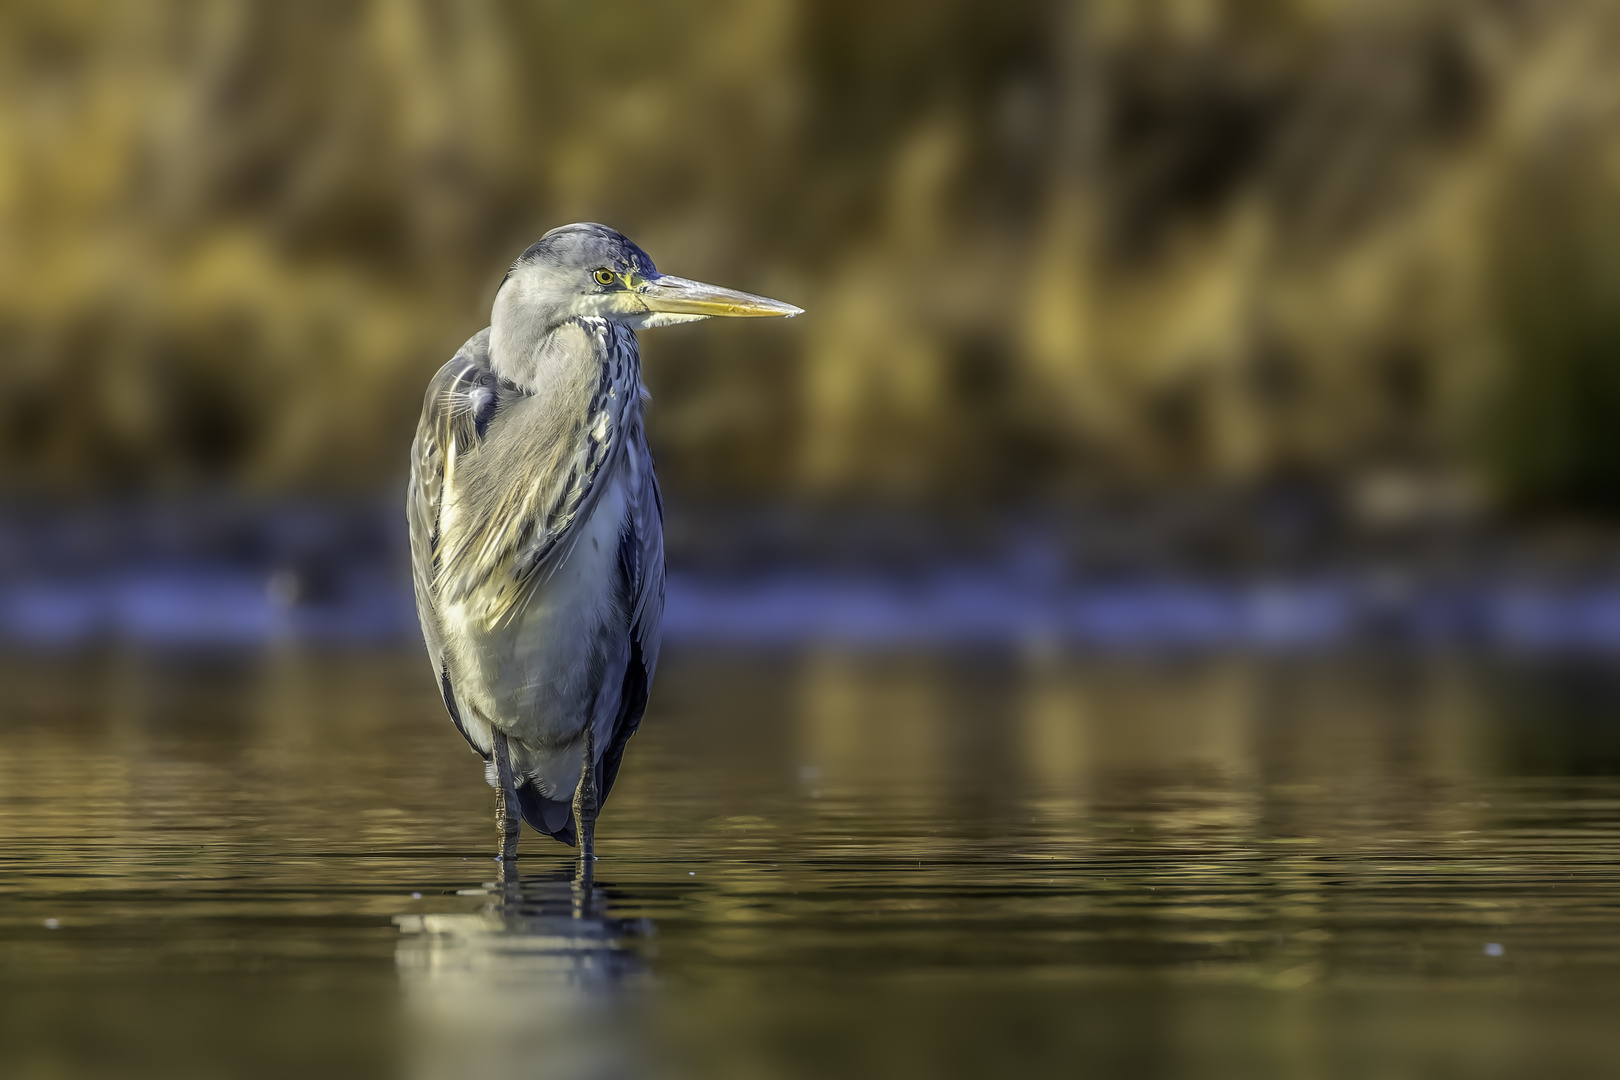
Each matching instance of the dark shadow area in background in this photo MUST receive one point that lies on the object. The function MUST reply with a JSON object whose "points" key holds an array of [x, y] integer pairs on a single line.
{"points": [[1285, 571]]}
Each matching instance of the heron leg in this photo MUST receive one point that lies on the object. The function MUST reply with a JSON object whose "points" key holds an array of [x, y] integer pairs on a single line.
{"points": [[508, 818], [584, 889], [585, 800]]}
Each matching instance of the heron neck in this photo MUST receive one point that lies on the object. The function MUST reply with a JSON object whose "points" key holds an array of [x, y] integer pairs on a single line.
{"points": [[529, 352], [538, 359]]}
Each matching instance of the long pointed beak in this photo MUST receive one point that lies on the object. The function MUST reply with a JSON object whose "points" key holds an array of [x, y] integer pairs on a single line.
{"points": [[679, 296]]}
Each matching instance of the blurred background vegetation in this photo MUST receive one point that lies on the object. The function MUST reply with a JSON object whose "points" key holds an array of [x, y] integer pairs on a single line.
{"points": [[1046, 247]]}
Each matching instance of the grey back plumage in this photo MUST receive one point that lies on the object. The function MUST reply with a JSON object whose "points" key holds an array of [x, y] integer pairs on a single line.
{"points": [[456, 410]]}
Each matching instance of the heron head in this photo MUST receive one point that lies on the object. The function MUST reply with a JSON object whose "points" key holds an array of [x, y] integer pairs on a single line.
{"points": [[592, 270]]}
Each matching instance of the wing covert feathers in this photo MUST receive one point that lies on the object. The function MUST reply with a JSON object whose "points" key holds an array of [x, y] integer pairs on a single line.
{"points": [[456, 410], [534, 476], [500, 476]]}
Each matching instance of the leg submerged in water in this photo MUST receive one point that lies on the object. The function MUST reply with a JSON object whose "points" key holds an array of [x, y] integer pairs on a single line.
{"points": [[585, 800], [508, 818]]}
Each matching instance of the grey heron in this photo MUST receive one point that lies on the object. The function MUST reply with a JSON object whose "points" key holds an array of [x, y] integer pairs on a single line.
{"points": [[536, 523]]}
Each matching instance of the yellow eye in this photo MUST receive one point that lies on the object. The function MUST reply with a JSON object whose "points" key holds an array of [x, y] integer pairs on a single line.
{"points": [[603, 277]]}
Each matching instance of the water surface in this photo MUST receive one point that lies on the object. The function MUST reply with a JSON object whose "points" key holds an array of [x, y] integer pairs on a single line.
{"points": [[820, 863]]}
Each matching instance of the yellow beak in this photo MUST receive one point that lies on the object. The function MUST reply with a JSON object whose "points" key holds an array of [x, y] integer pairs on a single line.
{"points": [[679, 296]]}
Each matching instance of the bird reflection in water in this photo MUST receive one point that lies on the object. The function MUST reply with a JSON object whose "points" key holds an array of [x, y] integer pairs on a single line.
{"points": [[542, 982]]}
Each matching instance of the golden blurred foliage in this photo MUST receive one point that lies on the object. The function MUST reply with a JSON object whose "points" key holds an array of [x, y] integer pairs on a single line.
{"points": [[1041, 244]]}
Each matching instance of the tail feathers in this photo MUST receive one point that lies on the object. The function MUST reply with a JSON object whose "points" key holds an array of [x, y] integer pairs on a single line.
{"points": [[554, 817]]}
